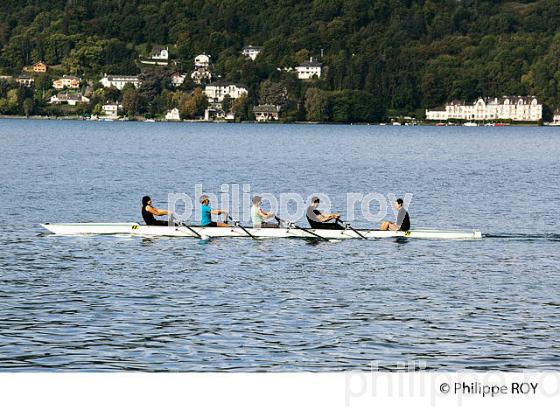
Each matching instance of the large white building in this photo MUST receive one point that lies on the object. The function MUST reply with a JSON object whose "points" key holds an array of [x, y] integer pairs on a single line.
{"points": [[309, 69], [216, 92], [119, 81], [251, 52], [514, 108]]}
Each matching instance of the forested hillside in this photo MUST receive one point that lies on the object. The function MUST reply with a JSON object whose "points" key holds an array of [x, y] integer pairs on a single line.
{"points": [[401, 55]]}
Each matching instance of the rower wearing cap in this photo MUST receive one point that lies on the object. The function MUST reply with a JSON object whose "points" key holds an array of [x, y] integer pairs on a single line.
{"points": [[259, 217], [403, 220], [320, 220], [207, 212], [149, 211]]}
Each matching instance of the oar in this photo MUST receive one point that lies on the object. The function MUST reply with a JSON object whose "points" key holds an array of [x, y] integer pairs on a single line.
{"points": [[237, 224], [303, 229], [351, 228], [199, 236]]}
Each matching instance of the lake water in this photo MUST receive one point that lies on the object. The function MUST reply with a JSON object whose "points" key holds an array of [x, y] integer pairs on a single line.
{"points": [[105, 303]]}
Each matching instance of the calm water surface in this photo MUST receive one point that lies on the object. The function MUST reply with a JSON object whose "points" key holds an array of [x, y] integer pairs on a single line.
{"points": [[121, 303]]}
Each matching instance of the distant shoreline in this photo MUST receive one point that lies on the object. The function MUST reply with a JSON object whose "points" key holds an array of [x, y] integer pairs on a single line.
{"points": [[140, 120]]}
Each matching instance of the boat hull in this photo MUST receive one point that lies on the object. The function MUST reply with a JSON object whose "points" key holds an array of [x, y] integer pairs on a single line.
{"points": [[132, 228]]}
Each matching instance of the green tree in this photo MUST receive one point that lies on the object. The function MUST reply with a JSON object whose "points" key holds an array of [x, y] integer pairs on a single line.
{"points": [[4, 106], [273, 93], [241, 108], [12, 101], [114, 94], [28, 106], [97, 109], [339, 107], [226, 103], [130, 100], [193, 105], [154, 81], [5, 86], [316, 104], [86, 58], [43, 82]]}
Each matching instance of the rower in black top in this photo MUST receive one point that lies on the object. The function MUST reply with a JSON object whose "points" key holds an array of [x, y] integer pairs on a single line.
{"points": [[148, 212], [403, 220], [318, 219]]}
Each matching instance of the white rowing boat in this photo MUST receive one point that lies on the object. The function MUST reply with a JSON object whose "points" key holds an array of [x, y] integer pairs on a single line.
{"points": [[132, 228]]}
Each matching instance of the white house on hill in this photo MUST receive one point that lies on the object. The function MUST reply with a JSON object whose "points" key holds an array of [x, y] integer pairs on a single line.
{"points": [[514, 108], [25, 80], [119, 81], [309, 69], [159, 53], [202, 61], [201, 71], [158, 56], [251, 52]]}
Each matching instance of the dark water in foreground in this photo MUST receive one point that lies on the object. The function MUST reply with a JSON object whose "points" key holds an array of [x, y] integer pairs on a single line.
{"points": [[120, 303]]}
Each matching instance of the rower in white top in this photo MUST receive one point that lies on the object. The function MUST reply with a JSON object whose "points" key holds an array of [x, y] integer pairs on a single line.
{"points": [[259, 216]]}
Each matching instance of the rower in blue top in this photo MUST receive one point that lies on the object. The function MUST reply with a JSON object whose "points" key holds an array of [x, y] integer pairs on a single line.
{"points": [[207, 212]]}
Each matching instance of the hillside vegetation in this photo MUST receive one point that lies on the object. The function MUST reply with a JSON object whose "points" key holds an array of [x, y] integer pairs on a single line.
{"points": [[399, 56]]}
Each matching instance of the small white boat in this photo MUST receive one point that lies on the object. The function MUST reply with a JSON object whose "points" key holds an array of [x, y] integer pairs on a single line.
{"points": [[136, 229], [470, 124]]}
